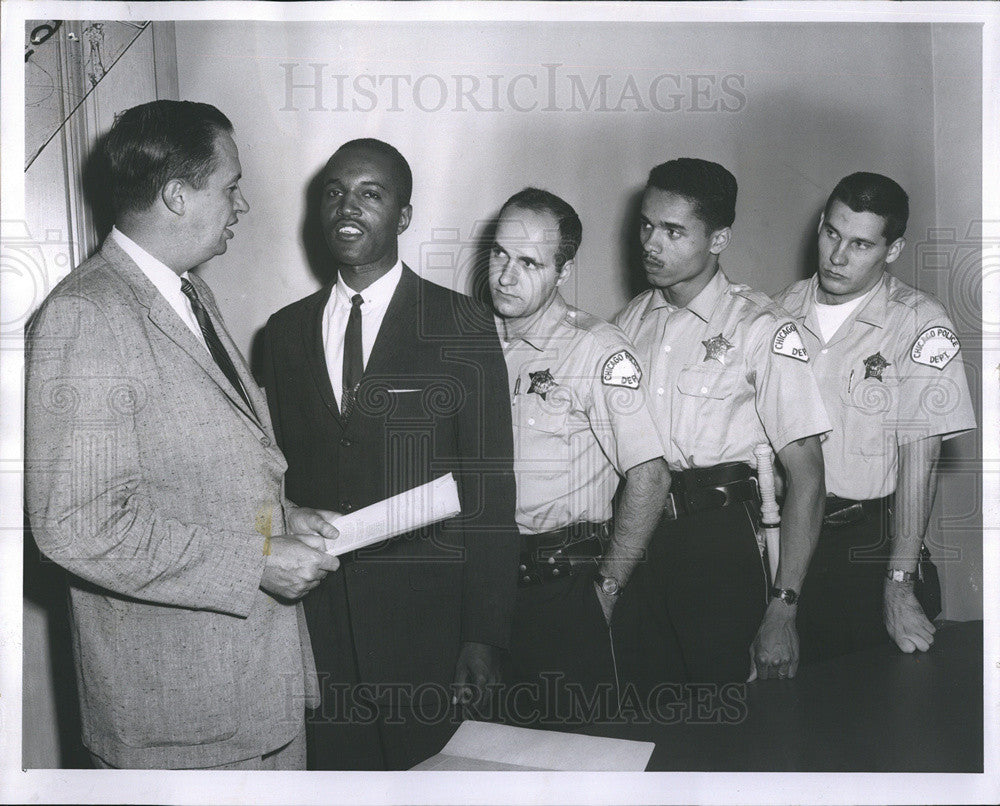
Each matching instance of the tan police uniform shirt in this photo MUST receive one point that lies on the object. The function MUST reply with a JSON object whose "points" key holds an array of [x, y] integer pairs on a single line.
{"points": [[726, 373], [580, 414], [891, 374]]}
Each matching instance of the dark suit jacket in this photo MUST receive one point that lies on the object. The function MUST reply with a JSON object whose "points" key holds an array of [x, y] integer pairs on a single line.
{"points": [[147, 477], [433, 399]]}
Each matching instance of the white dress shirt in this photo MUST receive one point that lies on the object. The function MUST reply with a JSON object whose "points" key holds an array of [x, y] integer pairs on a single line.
{"points": [[166, 280], [376, 301]]}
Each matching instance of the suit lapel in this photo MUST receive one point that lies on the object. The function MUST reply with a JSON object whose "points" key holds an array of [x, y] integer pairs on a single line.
{"points": [[311, 337], [166, 320], [398, 320], [239, 363]]}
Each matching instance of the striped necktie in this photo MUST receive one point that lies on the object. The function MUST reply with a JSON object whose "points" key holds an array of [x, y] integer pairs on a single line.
{"points": [[214, 344]]}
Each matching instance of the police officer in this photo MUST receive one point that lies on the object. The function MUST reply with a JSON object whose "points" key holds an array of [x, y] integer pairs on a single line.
{"points": [[581, 424], [727, 371], [889, 367]]}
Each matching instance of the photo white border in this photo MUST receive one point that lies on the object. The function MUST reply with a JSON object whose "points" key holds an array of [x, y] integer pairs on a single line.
{"points": [[95, 786]]}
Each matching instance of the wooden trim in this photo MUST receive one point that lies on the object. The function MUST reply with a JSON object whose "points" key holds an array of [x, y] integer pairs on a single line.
{"points": [[165, 61]]}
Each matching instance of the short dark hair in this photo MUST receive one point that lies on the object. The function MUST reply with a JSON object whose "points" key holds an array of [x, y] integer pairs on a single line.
{"points": [[873, 193], [542, 201], [400, 165], [707, 185], [152, 143]]}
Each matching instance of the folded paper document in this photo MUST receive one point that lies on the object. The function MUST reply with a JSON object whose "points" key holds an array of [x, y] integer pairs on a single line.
{"points": [[487, 746], [429, 503]]}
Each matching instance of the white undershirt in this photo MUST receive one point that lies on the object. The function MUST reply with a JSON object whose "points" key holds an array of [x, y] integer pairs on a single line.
{"points": [[166, 280], [831, 317], [338, 308]]}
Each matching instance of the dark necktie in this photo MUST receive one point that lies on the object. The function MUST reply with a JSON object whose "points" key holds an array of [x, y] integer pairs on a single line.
{"points": [[354, 359], [214, 344]]}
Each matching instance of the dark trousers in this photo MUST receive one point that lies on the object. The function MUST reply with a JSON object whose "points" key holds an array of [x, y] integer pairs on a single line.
{"points": [[356, 728], [560, 672], [693, 607], [840, 606]]}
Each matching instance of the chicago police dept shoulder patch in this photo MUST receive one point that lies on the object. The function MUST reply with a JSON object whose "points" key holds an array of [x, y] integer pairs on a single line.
{"points": [[621, 369], [935, 347], [787, 341]]}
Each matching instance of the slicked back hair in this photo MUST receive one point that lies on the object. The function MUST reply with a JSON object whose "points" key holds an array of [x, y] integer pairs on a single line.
{"points": [[709, 187], [152, 143], [873, 193], [542, 201]]}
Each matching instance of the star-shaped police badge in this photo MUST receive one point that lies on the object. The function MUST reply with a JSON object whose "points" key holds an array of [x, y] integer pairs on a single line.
{"points": [[542, 383], [874, 365], [716, 348]]}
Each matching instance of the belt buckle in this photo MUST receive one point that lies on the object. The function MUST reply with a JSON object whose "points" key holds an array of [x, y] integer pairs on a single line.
{"points": [[844, 516]]}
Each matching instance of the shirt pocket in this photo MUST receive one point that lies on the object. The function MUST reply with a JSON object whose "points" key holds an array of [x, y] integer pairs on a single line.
{"points": [[547, 416], [702, 383], [870, 409]]}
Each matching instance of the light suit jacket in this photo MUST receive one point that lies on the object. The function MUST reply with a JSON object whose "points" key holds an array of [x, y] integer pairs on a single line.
{"points": [[152, 483]]}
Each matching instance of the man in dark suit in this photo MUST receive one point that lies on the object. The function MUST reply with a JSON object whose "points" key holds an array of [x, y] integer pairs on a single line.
{"points": [[378, 383], [151, 475]]}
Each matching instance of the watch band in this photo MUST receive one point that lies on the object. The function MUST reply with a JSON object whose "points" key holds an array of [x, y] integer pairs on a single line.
{"points": [[898, 575], [788, 595]]}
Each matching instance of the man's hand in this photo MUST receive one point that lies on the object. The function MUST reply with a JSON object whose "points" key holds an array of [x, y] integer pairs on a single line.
{"points": [[478, 667], [607, 602], [308, 521], [295, 565], [904, 617], [775, 650]]}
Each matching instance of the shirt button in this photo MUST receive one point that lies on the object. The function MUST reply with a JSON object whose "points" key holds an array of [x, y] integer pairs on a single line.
{"points": [[704, 390], [659, 391], [531, 421], [265, 441], [666, 348], [346, 506], [824, 351], [345, 443]]}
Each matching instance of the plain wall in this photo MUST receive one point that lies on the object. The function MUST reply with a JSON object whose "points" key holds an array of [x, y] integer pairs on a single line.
{"points": [[820, 101]]}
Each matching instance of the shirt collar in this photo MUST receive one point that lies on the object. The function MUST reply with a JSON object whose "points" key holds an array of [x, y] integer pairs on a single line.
{"points": [[545, 325], [872, 312], [162, 276], [378, 294], [702, 306]]}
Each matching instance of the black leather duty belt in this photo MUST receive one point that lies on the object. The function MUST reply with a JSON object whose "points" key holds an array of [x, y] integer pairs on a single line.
{"points": [[561, 553], [846, 511], [703, 488]]}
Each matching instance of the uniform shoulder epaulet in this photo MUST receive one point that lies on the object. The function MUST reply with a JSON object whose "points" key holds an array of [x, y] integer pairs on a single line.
{"points": [[603, 333], [758, 298]]}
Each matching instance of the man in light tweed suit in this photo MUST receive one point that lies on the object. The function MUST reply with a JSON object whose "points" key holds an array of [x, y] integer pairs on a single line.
{"points": [[152, 476]]}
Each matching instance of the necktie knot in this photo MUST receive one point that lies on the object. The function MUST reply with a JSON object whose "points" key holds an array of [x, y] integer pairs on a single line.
{"points": [[188, 288], [356, 301]]}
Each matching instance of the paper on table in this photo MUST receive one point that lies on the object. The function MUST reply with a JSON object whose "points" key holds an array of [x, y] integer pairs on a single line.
{"points": [[414, 509], [487, 746]]}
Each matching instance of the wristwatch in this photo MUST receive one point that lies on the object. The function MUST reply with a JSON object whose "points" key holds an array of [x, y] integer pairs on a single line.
{"points": [[787, 595], [898, 575], [610, 585]]}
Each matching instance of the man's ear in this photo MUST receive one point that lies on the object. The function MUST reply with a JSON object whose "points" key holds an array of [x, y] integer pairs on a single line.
{"points": [[720, 240], [173, 195], [404, 218], [894, 249], [565, 272]]}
